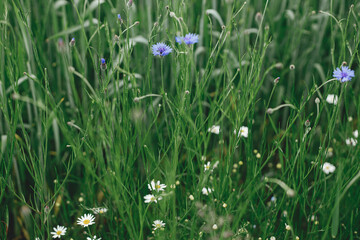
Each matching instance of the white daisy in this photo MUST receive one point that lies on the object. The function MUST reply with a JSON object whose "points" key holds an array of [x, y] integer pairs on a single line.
{"points": [[351, 141], [59, 231], [206, 191], [86, 220], [287, 227], [158, 224], [151, 198], [356, 133], [156, 186], [328, 168], [243, 132], [94, 238], [332, 99], [99, 210], [207, 166], [214, 129]]}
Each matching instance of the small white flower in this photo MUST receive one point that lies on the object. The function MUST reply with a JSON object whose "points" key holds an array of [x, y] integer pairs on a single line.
{"points": [[207, 166], [351, 141], [206, 191], [243, 132], [191, 197], [332, 99], [328, 168], [287, 227], [151, 198], [203, 158], [158, 224], [59, 231], [356, 133], [86, 220], [272, 238], [214, 129], [156, 186], [99, 210], [214, 227], [94, 238]]}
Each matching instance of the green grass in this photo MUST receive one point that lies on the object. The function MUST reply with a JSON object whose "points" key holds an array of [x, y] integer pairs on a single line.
{"points": [[75, 137]]}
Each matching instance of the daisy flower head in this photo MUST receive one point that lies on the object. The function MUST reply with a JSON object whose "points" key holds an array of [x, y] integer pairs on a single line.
{"points": [[243, 132], [158, 224], [351, 141], [156, 186], [151, 198], [287, 227], [332, 99], [161, 49], [328, 168], [214, 129], [93, 238], [191, 38], [344, 74], [356, 133], [206, 191], [207, 166], [99, 210], [58, 231], [86, 220]]}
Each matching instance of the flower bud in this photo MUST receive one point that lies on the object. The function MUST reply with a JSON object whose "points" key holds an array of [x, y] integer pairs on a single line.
{"points": [[103, 64], [276, 80], [258, 17], [72, 42]]}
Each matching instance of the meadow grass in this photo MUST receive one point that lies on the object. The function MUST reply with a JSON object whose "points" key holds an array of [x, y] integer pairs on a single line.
{"points": [[90, 125]]}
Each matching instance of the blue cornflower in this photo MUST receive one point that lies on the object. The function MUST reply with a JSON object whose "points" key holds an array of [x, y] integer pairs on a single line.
{"points": [[343, 75], [103, 64], [179, 39], [191, 38], [161, 49], [72, 42], [119, 18]]}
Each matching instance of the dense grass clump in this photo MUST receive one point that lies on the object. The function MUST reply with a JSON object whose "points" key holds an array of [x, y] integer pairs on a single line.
{"points": [[174, 119]]}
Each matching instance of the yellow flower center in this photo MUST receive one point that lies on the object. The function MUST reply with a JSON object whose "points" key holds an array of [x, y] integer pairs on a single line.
{"points": [[58, 232], [86, 221], [157, 186], [153, 198], [101, 211], [158, 225]]}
